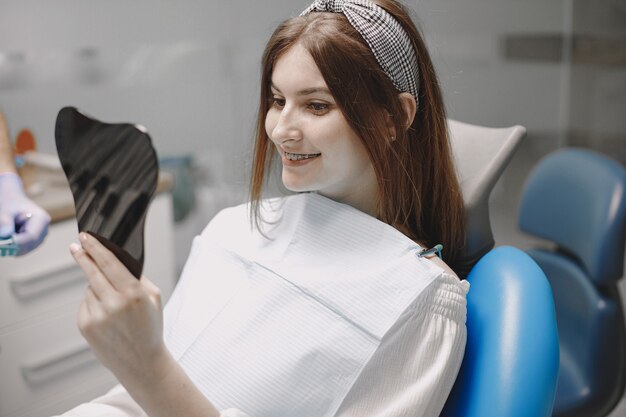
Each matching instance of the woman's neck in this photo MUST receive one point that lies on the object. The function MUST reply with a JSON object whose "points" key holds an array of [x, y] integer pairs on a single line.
{"points": [[362, 200]]}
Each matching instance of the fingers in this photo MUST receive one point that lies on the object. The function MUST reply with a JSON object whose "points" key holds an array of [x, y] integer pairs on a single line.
{"points": [[108, 277], [6, 225], [90, 313], [114, 270], [31, 232], [100, 285], [116, 292], [92, 303]]}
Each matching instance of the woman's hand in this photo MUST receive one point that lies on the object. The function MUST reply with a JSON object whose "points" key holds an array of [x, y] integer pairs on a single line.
{"points": [[120, 316]]}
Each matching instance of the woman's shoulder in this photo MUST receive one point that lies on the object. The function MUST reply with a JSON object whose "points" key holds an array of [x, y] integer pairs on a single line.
{"points": [[441, 264], [445, 296]]}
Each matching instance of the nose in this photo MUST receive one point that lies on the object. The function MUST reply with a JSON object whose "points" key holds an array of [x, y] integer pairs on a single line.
{"points": [[286, 127]]}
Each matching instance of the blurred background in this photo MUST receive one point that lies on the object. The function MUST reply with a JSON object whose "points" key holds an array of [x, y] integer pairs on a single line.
{"points": [[189, 71]]}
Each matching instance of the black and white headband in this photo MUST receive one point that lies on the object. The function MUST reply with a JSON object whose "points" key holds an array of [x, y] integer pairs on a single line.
{"points": [[385, 36]]}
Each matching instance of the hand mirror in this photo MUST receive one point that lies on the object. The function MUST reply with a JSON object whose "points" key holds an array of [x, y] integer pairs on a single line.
{"points": [[112, 170]]}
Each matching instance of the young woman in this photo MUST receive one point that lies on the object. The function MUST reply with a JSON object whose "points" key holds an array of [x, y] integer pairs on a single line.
{"points": [[320, 303]]}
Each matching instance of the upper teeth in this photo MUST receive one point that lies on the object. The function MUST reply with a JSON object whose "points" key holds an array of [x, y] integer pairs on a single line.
{"points": [[300, 156]]}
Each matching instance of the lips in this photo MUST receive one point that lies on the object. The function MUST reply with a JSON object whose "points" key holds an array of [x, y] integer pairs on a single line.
{"points": [[300, 156]]}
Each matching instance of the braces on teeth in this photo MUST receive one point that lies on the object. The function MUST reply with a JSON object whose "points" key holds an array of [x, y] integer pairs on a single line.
{"points": [[300, 156]]}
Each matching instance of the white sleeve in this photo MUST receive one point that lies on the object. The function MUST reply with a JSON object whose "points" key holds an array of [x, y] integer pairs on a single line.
{"points": [[414, 369], [232, 412], [115, 403], [118, 403]]}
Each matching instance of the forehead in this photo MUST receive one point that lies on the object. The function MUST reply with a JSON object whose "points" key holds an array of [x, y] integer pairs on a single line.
{"points": [[296, 68]]}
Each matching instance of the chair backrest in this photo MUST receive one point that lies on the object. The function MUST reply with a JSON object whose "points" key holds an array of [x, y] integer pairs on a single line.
{"points": [[576, 199], [481, 154], [512, 356], [511, 359]]}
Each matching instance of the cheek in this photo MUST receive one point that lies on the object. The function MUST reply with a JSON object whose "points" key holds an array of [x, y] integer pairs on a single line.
{"points": [[358, 157], [270, 123]]}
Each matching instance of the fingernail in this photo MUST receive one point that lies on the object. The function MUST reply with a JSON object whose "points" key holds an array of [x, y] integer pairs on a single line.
{"points": [[82, 236], [74, 247]]}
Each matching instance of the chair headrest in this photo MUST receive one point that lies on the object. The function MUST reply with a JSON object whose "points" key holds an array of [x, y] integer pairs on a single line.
{"points": [[481, 154], [577, 199]]}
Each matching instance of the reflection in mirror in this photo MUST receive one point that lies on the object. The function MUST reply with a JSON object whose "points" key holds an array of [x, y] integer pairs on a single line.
{"points": [[112, 170]]}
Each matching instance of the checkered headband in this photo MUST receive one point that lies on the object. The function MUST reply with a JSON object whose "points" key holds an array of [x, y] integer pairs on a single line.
{"points": [[388, 41]]}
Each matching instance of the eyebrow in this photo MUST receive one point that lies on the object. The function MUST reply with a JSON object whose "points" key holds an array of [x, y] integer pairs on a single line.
{"points": [[308, 91]]}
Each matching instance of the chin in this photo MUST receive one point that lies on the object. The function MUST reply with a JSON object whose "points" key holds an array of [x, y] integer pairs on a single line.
{"points": [[297, 188]]}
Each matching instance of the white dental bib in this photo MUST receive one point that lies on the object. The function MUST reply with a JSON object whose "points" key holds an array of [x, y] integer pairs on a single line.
{"points": [[283, 325]]}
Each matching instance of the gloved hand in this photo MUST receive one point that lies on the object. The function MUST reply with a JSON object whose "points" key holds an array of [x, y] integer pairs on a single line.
{"points": [[20, 217]]}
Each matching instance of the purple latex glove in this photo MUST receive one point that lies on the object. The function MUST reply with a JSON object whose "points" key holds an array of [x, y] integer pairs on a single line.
{"points": [[20, 217]]}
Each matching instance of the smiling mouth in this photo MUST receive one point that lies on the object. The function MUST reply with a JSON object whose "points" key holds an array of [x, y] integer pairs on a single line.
{"points": [[300, 156]]}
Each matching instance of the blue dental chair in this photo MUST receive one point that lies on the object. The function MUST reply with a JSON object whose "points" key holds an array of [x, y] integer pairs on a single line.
{"points": [[512, 356], [576, 199]]}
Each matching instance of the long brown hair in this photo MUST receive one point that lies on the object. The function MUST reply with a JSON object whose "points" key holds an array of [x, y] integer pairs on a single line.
{"points": [[418, 191]]}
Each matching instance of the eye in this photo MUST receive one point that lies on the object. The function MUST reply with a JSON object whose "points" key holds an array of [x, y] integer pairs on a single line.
{"points": [[277, 102], [318, 109]]}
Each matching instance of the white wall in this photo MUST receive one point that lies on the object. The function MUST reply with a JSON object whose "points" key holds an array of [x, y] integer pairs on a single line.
{"points": [[186, 70], [481, 86]]}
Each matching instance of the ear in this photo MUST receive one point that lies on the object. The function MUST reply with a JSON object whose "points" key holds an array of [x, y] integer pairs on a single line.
{"points": [[409, 107]]}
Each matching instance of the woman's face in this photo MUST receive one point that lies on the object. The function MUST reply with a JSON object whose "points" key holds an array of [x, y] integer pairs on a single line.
{"points": [[318, 148]]}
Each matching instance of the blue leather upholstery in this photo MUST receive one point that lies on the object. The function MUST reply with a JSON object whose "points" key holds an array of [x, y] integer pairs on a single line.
{"points": [[512, 355], [577, 199]]}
